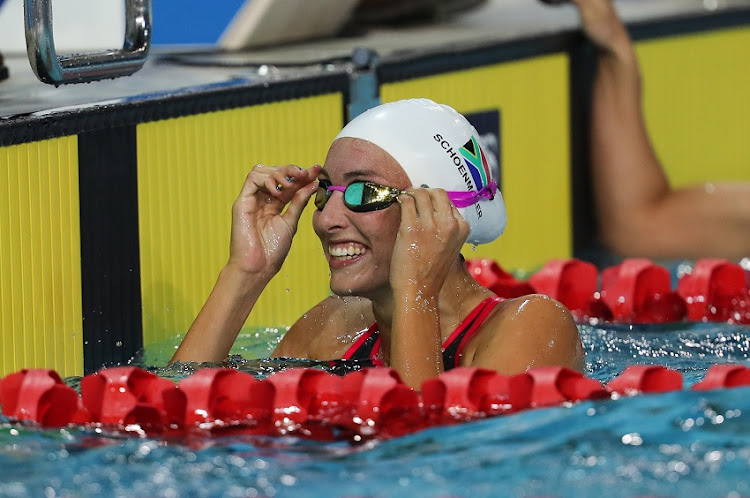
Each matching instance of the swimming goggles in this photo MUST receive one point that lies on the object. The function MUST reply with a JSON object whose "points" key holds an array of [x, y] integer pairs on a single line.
{"points": [[362, 196]]}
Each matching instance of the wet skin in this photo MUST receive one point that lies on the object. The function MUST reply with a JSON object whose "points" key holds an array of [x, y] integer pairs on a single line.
{"points": [[399, 266], [367, 238], [531, 331]]}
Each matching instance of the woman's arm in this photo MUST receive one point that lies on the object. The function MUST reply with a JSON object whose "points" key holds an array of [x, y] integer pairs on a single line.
{"points": [[264, 221], [427, 247], [639, 213], [216, 327]]}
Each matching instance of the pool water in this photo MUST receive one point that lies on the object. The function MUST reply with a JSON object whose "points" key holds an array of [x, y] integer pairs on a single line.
{"points": [[682, 443]]}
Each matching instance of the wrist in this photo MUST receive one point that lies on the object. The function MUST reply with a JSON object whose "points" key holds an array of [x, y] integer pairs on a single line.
{"points": [[619, 48], [252, 272], [243, 284], [416, 294]]}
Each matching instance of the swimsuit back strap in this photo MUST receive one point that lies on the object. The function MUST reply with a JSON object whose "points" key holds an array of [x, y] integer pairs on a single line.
{"points": [[454, 346], [367, 346]]}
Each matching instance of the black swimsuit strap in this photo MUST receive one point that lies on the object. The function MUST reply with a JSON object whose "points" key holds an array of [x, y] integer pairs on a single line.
{"points": [[364, 349], [454, 346]]}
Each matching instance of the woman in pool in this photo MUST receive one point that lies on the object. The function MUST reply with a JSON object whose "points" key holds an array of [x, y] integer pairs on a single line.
{"points": [[402, 296]]}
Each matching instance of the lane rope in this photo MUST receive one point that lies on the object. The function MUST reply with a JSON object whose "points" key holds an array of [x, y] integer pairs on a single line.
{"points": [[635, 291], [312, 403], [374, 402]]}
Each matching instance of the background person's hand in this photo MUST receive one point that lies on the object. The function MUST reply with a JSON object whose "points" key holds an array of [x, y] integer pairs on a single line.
{"points": [[429, 240], [601, 24], [262, 229]]}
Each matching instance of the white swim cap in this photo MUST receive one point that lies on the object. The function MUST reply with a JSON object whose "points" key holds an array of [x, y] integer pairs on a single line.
{"points": [[436, 146]]}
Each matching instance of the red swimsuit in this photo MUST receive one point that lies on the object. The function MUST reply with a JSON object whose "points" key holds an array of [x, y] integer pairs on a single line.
{"points": [[367, 346]]}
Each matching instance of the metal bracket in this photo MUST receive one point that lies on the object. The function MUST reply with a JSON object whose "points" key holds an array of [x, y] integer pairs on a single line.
{"points": [[81, 68], [364, 91]]}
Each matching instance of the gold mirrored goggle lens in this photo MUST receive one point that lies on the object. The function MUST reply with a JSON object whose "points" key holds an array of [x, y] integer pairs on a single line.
{"points": [[358, 196]]}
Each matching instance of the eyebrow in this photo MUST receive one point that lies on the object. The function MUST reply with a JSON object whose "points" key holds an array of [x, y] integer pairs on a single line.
{"points": [[357, 173]]}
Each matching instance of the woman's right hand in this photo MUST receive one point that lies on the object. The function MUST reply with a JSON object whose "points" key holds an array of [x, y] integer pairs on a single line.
{"points": [[264, 220], [262, 229]]}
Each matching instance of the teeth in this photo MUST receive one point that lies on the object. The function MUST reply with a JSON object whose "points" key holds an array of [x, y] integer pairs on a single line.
{"points": [[349, 251]]}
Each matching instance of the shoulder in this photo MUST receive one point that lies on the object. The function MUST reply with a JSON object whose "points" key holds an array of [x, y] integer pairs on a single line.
{"points": [[535, 308], [327, 330], [524, 332]]}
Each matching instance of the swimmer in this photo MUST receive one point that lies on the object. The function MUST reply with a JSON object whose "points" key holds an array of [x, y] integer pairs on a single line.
{"points": [[403, 187], [639, 214]]}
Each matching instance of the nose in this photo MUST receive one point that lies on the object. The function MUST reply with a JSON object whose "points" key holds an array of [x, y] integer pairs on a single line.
{"points": [[333, 215]]}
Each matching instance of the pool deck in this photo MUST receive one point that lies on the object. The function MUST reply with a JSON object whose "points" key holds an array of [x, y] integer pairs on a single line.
{"points": [[496, 22]]}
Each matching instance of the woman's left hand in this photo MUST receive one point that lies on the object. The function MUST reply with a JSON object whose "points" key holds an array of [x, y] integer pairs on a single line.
{"points": [[429, 240]]}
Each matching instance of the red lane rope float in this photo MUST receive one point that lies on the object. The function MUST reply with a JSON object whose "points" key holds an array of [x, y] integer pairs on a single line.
{"points": [[717, 290], [307, 402], [635, 291], [315, 404], [488, 273], [39, 396], [647, 379], [220, 397], [127, 396]]}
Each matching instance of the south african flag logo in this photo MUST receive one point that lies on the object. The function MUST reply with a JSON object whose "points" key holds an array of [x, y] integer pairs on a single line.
{"points": [[476, 162]]}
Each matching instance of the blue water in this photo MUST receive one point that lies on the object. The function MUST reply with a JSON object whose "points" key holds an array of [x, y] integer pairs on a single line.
{"points": [[677, 444]]}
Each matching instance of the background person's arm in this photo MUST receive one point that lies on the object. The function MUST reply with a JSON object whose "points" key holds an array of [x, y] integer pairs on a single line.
{"points": [[639, 213]]}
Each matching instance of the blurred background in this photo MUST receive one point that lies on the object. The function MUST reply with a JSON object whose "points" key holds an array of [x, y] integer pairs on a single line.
{"points": [[102, 26]]}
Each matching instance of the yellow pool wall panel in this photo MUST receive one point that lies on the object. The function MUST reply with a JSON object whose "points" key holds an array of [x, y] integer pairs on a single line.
{"points": [[532, 97], [696, 92], [190, 171], [41, 324]]}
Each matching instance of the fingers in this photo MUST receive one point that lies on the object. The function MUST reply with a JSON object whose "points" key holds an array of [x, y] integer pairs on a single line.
{"points": [[447, 216], [424, 205], [431, 209], [283, 182], [430, 205], [294, 209], [272, 188], [280, 182], [408, 211], [442, 206], [429, 240]]}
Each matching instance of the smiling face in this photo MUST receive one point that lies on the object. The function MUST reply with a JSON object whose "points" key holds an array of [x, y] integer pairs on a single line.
{"points": [[358, 246]]}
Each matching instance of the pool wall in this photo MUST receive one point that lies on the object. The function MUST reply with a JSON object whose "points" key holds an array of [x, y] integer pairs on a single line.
{"points": [[114, 219]]}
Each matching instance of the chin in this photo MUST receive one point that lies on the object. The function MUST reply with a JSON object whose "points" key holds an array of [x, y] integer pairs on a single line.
{"points": [[351, 287], [346, 290]]}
